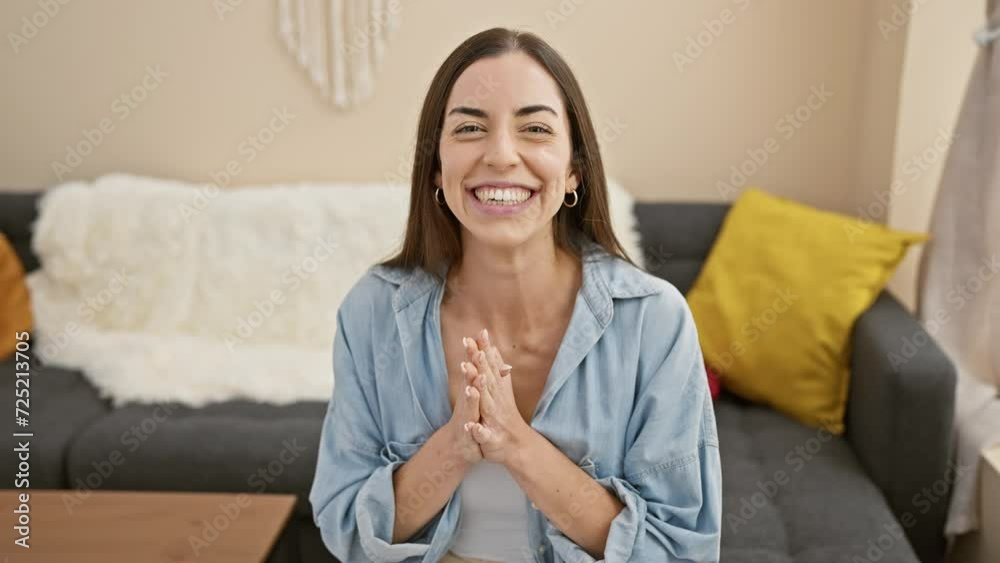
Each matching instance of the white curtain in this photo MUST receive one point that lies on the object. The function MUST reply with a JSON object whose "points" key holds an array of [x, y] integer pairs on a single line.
{"points": [[959, 294], [339, 43]]}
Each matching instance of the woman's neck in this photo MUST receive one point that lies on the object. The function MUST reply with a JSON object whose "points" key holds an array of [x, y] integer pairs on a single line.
{"points": [[513, 290]]}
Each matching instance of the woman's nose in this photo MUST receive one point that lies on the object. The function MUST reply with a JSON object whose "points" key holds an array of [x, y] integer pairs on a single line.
{"points": [[501, 151]]}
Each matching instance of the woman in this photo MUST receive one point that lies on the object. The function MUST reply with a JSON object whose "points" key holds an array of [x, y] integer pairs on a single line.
{"points": [[510, 386]]}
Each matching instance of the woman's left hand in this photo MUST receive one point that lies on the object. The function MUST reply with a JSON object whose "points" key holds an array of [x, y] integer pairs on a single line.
{"points": [[501, 428]]}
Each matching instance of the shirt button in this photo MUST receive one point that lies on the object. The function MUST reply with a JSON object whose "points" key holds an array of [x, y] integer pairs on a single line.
{"points": [[534, 506]]}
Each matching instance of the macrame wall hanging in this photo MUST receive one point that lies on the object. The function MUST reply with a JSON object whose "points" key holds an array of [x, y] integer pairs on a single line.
{"points": [[340, 43]]}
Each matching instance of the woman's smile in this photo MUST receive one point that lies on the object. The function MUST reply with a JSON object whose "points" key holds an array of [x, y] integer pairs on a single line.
{"points": [[501, 200]]}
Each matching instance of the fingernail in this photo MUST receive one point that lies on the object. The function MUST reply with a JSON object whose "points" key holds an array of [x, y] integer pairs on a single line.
{"points": [[461, 366], [486, 336], [466, 426], [506, 367], [468, 391], [465, 341]]}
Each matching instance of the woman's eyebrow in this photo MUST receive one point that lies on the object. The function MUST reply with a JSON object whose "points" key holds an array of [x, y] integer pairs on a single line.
{"points": [[526, 110]]}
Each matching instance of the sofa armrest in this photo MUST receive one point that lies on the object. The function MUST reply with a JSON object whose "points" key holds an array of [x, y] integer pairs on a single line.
{"points": [[900, 413]]}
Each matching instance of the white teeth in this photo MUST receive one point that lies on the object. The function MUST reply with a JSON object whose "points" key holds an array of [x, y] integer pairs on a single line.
{"points": [[505, 196]]}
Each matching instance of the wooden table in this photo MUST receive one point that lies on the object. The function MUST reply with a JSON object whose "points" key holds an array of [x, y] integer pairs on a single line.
{"points": [[148, 527]]}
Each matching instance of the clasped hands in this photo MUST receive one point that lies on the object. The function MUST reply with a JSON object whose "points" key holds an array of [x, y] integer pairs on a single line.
{"points": [[486, 422]]}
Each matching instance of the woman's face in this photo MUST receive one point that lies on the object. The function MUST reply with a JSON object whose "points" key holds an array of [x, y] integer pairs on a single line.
{"points": [[505, 151]]}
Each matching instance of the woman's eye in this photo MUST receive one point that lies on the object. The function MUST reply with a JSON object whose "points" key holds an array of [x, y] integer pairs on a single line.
{"points": [[474, 127], [537, 129]]}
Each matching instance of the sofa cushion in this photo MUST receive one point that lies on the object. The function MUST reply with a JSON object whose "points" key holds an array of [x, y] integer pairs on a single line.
{"points": [[15, 302], [61, 406], [797, 494], [235, 446], [778, 295]]}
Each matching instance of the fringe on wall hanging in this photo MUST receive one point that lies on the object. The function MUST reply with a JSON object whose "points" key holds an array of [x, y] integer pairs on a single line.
{"points": [[339, 43]]}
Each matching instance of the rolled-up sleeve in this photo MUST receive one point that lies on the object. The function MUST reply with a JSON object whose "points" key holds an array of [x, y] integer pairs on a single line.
{"points": [[672, 484], [352, 496]]}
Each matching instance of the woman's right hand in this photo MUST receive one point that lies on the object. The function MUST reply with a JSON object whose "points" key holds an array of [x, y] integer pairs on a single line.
{"points": [[466, 412]]}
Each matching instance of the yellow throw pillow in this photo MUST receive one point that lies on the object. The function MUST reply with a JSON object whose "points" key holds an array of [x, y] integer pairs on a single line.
{"points": [[777, 298], [15, 305]]}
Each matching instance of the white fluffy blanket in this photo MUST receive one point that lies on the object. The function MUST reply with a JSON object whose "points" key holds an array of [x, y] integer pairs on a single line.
{"points": [[160, 290]]}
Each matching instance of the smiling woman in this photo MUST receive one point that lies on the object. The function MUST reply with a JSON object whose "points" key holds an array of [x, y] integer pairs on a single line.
{"points": [[577, 425], [504, 96]]}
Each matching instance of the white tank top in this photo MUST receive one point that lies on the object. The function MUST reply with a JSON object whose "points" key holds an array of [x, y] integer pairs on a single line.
{"points": [[493, 523]]}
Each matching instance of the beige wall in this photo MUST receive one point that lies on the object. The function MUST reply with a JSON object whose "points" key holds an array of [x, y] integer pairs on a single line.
{"points": [[879, 76], [680, 130], [939, 56]]}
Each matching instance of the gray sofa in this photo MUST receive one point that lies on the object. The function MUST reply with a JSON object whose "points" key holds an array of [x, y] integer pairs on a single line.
{"points": [[791, 493]]}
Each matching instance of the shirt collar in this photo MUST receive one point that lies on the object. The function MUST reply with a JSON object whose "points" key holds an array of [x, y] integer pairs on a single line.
{"points": [[605, 278]]}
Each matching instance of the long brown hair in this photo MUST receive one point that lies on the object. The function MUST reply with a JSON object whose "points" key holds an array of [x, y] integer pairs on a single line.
{"points": [[433, 233]]}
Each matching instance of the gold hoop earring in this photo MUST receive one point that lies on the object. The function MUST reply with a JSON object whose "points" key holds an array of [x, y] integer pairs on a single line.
{"points": [[437, 200], [576, 199]]}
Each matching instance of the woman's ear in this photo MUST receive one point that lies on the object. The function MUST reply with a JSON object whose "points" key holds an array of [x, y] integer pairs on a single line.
{"points": [[572, 181], [437, 179], [573, 174]]}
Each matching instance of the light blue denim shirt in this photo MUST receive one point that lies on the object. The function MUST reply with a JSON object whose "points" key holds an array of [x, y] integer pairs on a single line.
{"points": [[626, 399]]}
